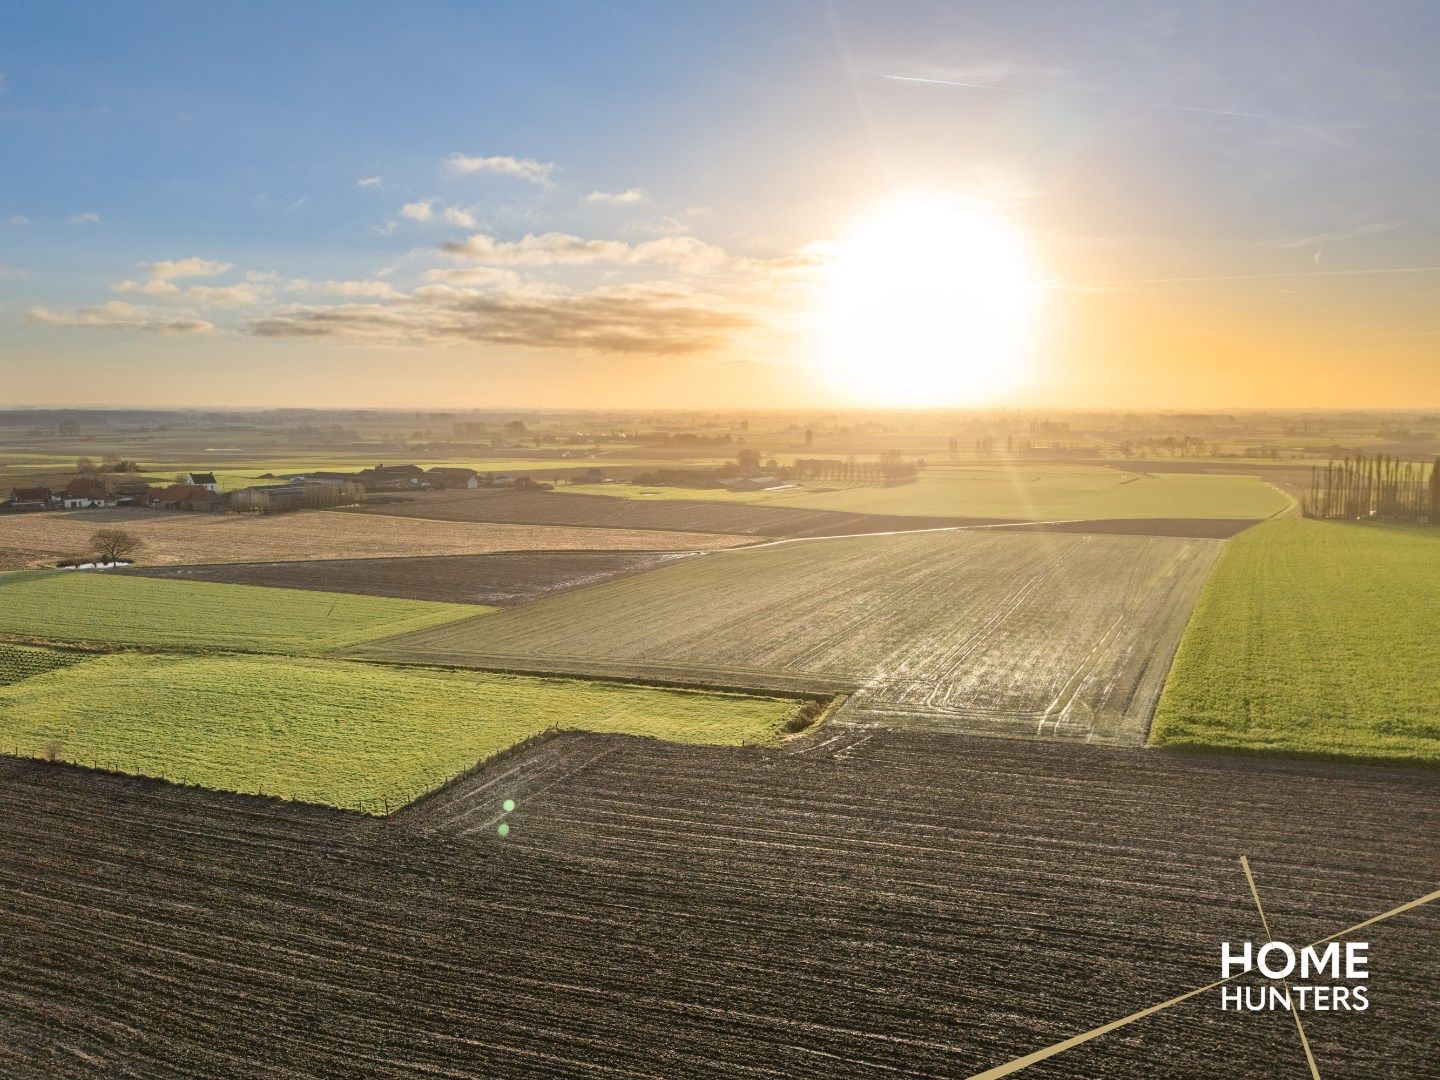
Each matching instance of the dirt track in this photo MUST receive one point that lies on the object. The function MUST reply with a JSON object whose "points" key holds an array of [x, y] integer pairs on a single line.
{"points": [[885, 904], [496, 580]]}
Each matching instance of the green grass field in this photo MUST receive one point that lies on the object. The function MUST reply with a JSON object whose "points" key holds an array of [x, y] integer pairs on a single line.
{"points": [[22, 662], [1316, 638], [81, 606], [351, 735], [1011, 491]]}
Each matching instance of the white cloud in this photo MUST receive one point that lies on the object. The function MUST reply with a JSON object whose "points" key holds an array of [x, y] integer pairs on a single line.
{"points": [[528, 169], [618, 198], [552, 249], [174, 269], [376, 289], [166, 272], [387, 228], [152, 287], [17, 219], [474, 275], [432, 210], [370, 182], [460, 217], [118, 315], [85, 217], [228, 295], [650, 318]]}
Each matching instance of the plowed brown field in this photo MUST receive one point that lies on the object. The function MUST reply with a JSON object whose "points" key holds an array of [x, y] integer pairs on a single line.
{"points": [[885, 904], [494, 580]]}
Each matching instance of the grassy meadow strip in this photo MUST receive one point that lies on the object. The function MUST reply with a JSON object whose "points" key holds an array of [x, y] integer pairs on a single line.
{"points": [[1314, 637], [344, 734], [81, 606], [1012, 490]]}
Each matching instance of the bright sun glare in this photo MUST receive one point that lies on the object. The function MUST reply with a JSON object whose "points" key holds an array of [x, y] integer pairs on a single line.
{"points": [[929, 302]]}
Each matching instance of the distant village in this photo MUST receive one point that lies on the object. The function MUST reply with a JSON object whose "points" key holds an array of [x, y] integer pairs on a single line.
{"points": [[200, 491]]}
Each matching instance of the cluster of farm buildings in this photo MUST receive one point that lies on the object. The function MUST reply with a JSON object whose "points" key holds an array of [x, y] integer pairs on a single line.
{"points": [[201, 490]]}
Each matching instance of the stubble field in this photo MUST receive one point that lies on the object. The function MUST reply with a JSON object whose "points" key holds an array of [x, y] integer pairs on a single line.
{"points": [[1057, 636]]}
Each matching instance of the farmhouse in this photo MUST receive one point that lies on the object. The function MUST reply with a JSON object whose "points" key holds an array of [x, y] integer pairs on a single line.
{"points": [[391, 477], [85, 491], [205, 480], [182, 497], [32, 498], [442, 477], [126, 492]]}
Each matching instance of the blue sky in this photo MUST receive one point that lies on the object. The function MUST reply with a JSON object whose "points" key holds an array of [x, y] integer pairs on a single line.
{"points": [[1132, 144]]}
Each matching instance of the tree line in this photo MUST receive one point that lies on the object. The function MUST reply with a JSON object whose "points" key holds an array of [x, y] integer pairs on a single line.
{"points": [[1378, 488]]}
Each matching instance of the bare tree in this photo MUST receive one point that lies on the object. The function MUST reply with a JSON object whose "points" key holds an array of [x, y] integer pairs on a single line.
{"points": [[115, 545]]}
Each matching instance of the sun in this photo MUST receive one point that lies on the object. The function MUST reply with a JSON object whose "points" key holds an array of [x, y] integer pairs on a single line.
{"points": [[929, 301]]}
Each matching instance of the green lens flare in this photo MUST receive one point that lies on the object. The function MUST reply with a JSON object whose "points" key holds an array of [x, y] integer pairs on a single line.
{"points": [[503, 829], [508, 805]]}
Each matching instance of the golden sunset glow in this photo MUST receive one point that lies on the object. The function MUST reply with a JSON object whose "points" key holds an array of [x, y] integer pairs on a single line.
{"points": [[929, 302]]}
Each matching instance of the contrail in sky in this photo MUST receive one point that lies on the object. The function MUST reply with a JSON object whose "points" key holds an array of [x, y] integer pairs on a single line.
{"points": [[1096, 93], [1263, 277]]}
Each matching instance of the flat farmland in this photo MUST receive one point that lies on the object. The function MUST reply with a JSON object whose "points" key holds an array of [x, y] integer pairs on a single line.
{"points": [[1044, 635], [1314, 637], [366, 737], [494, 580], [907, 905], [177, 537], [58, 605], [1011, 491], [680, 510]]}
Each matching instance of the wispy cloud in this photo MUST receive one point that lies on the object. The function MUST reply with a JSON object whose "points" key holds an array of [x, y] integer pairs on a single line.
{"points": [[562, 249], [654, 319], [118, 315], [370, 182], [528, 169], [381, 290], [1336, 236], [618, 198], [85, 217], [432, 210], [1093, 93], [237, 295], [162, 276], [17, 219]]}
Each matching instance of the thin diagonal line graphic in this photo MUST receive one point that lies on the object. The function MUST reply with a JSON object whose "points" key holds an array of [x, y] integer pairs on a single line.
{"points": [[1269, 937], [1034, 1058]]}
